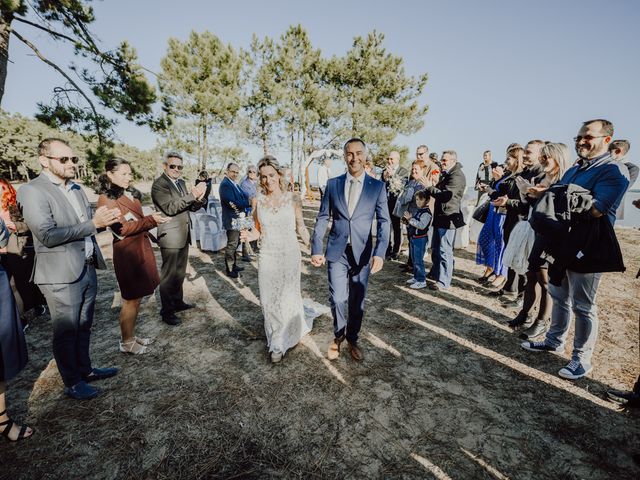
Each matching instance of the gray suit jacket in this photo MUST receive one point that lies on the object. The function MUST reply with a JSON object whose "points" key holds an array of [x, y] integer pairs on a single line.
{"points": [[167, 199], [58, 233]]}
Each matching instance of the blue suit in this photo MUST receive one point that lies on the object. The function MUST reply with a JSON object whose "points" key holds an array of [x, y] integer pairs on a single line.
{"points": [[231, 193], [348, 263]]}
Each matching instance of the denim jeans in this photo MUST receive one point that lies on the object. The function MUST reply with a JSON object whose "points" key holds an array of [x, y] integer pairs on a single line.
{"points": [[442, 256], [577, 293], [417, 248]]}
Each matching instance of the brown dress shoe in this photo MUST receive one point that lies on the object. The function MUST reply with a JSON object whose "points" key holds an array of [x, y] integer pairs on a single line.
{"points": [[356, 353], [334, 349]]}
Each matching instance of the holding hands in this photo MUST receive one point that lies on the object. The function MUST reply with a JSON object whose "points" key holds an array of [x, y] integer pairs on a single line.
{"points": [[317, 260]]}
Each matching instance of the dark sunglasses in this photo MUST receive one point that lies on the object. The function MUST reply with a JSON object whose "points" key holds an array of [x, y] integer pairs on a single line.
{"points": [[173, 167], [64, 160], [587, 138]]}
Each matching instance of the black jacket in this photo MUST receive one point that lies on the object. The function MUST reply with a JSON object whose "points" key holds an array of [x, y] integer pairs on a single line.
{"points": [[448, 193], [573, 238]]}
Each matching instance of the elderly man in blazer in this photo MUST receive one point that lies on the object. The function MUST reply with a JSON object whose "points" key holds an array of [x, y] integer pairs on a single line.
{"points": [[233, 201], [58, 214], [352, 200], [447, 216], [171, 196]]}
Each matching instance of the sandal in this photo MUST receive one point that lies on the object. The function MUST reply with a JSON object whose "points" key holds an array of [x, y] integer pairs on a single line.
{"points": [[145, 342], [132, 347], [9, 425], [487, 279]]}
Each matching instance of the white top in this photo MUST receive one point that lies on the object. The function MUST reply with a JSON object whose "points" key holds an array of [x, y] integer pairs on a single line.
{"points": [[323, 176]]}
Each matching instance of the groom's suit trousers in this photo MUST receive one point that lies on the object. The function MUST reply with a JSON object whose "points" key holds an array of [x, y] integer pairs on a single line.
{"points": [[347, 288]]}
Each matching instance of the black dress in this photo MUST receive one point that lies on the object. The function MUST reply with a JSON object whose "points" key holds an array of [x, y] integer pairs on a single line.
{"points": [[13, 348]]}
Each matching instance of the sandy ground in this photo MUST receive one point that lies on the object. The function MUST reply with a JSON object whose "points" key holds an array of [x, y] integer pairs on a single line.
{"points": [[445, 390]]}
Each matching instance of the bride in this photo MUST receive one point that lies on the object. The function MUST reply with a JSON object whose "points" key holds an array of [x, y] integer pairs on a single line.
{"points": [[277, 215]]}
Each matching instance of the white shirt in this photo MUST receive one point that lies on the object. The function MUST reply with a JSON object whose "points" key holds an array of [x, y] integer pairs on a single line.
{"points": [[67, 190], [175, 183], [323, 176]]}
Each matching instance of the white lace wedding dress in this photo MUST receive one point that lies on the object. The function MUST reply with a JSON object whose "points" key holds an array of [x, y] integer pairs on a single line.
{"points": [[285, 322]]}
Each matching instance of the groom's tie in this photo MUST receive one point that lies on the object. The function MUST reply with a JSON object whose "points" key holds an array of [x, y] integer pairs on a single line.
{"points": [[351, 202]]}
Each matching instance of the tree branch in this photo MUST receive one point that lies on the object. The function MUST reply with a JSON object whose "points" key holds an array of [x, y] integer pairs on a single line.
{"points": [[90, 44], [65, 75], [45, 29]]}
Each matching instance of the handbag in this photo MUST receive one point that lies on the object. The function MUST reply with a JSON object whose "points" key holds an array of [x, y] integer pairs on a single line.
{"points": [[481, 212]]}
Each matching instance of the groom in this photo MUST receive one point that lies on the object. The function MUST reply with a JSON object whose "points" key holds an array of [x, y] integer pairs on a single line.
{"points": [[352, 199]]}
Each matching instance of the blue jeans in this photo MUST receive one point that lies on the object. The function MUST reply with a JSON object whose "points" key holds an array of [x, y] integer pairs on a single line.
{"points": [[418, 247], [442, 256], [577, 293]]}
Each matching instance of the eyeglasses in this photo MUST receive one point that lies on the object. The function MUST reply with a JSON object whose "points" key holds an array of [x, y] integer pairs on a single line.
{"points": [[173, 167], [64, 160], [421, 153], [252, 171], [588, 138]]}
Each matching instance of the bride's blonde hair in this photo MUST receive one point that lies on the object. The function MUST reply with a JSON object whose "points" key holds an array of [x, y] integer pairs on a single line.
{"points": [[271, 161]]}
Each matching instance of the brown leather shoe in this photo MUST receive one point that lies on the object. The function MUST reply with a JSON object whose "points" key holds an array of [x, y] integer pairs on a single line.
{"points": [[334, 349], [356, 353]]}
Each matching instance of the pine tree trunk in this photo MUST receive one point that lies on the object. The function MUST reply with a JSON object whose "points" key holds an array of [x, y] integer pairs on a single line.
{"points": [[204, 146], [5, 32]]}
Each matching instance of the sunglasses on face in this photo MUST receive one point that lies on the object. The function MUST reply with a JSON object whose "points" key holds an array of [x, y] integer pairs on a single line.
{"points": [[64, 160], [173, 167], [587, 138]]}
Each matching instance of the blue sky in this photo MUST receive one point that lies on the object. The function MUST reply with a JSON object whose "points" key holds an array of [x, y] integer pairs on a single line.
{"points": [[499, 71]]}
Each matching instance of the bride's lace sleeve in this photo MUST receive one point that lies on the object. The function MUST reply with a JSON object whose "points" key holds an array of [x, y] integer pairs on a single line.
{"points": [[300, 226]]}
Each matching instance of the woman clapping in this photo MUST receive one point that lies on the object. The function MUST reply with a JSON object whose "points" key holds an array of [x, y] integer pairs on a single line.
{"points": [[133, 258]]}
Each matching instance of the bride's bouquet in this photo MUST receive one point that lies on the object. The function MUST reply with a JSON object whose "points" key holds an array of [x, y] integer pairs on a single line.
{"points": [[241, 222]]}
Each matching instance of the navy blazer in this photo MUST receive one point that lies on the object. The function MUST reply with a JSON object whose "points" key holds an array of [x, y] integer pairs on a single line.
{"points": [[231, 193], [372, 202]]}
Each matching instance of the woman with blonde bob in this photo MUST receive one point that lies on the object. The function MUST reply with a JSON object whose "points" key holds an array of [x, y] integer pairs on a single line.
{"points": [[526, 249], [277, 214]]}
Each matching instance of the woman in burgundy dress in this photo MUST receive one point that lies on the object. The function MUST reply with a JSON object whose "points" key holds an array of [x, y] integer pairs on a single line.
{"points": [[133, 258]]}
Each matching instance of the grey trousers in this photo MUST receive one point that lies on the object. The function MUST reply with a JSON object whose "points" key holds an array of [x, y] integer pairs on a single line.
{"points": [[233, 240], [577, 293], [172, 273], [71, 306]]}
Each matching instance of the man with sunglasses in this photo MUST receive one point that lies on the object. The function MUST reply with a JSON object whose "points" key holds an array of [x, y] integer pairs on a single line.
{"points": [[171, 196], [58, 214], [607, 181]]}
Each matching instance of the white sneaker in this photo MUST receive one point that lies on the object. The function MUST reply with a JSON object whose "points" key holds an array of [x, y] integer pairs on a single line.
{"points": [[411, 280], [276, 357], [418, 285]]}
